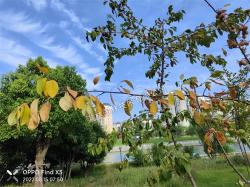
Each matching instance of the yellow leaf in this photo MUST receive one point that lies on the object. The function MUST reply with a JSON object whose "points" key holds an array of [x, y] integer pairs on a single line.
{"points": [[153, 108], [164, 102], [89, 112], [170, 99], [192, 95], [66, 102], [12, 118], [204, 105], [44, 112], [24, 114], [96, 80], [129, 83], [128, 106], [80, 102], [35, 119], [43, 69], [73, 93], [40, 85], [126, 90], [198, 118], [180, 94], [100, 109], [51, 88]]}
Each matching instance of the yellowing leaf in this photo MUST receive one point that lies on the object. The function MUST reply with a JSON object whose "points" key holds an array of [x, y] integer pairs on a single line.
{"points": [[43, 69], [128, 106], [89, 112], [73, 93], [51, 88], [126, 90], [24, 114], [198, 118], [147, 103], [204, 105], [100, 109], [153, 108], [208, 85], [96, 80], [40, 85], [208, 138], [221, 106], [129, 83], [221, 137], [80, 102], [35, 119], [66, 102], [232, 92], [170, 99], [180, 94], [12, 118], [192, 95], [164, 102], [44, 112]]}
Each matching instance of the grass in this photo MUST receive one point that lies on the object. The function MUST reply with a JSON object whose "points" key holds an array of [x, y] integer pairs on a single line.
{"points": [[208, 173], [161, 139]]}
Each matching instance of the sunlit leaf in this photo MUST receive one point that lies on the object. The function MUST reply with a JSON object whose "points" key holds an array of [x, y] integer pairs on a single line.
{"points": [[24, 114], [12, 118], [180, 94], [51, 88], [42, 68], [205, 105], [147, 103], [44, 111], [164, 102], [100, 109], [66, 102], [198, 118], [170, 99], [96, 80], [129, 83], [89, 112], [192, 95], [80, 102], [73, 93], [128, 106], [153, 108], [40, 85], [35, 119], [216, 74]]}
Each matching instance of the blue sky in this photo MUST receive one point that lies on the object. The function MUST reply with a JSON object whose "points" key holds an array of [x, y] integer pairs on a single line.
{"points": [[55, 29]]}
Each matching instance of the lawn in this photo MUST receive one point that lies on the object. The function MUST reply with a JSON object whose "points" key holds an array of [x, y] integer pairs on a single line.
{"points": [[208, 173], [161, 139]]}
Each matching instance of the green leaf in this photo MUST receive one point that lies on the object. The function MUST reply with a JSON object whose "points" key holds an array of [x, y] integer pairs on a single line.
{"points": [[12, 118], [216, 74], [129, 83]]}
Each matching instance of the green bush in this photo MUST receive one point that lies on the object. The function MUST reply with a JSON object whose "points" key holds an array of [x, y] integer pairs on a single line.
{"points": [[157, 154], [189, 150], [140, 158]]}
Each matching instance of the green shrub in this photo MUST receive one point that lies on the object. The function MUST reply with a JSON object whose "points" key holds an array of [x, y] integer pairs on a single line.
{"points": [[157, 154], [189, 150]]}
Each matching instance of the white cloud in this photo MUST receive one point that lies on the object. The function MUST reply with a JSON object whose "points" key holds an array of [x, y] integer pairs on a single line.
{"points": [[20, 22], [12, 53], [37, 4]]}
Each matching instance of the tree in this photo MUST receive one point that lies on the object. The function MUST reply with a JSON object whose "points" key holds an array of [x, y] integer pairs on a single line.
{"points": [[161, 44], [18, 87]]}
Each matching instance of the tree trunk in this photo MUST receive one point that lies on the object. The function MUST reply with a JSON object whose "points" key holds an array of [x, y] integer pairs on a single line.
{"points": [[41, 151]]}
